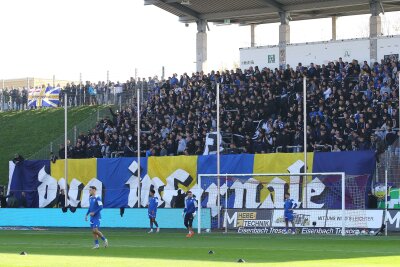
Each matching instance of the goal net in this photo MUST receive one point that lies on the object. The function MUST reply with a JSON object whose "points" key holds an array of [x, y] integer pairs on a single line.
{"points": [[326, 203]]}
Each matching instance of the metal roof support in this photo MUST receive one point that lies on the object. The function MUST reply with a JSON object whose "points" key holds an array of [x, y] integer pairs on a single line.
{"points": [[334, 19], [375, 7], [176, 6], [375, 29], [284, 36], [201, 45], [253, 35], [274, 4]]}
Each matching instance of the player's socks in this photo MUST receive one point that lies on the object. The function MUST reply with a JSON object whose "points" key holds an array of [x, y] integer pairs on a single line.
{"points": [[105, 243], [96, 244], [151, 225], [103, 238], [156, 224], [285, 231]]}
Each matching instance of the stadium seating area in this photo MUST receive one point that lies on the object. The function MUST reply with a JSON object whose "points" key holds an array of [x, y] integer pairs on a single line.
{"points": [[351, 106]]}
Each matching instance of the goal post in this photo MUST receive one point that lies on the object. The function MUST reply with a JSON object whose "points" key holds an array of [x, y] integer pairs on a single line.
{"points": [[330, 202]]}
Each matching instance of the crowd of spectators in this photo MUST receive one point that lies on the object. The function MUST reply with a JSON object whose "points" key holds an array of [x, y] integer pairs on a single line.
{"points": [[87, 93], [104, 92], [13, 99], [350, 106]]}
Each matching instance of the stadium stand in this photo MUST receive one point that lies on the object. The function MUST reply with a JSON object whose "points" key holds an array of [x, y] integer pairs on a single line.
{"points": [[351, 106]]}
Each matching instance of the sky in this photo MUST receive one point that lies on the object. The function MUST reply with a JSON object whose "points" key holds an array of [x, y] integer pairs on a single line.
{"points": [[42, 38]]}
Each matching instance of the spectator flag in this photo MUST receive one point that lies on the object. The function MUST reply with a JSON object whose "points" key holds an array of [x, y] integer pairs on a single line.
{"points": [[117, 89], [44, 97], [210, 147], [262, 124]]}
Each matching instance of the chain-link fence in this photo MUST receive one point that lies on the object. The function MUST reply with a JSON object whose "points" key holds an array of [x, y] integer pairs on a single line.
{"points": [[118, 95], [73, 134], [389, 161]]}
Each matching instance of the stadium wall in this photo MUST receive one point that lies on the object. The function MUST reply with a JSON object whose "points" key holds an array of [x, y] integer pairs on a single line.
{"points": [[318, 52]]}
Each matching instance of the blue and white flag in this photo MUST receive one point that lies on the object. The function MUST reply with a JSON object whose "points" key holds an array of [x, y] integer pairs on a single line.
{"points": [[44, 97]]}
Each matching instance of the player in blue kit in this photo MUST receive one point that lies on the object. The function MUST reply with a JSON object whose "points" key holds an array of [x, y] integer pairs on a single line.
{"points": [[288, 214], [152, 210], [189, 212], [95, 206]]}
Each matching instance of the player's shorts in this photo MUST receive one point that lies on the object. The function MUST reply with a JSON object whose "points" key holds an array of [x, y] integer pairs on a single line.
{"points": [[188, 220], [94, 223], [289, 216], [152, 216]]}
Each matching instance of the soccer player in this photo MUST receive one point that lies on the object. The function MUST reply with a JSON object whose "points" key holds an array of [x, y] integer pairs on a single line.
{"points": [[189, 212], [95, 206], [289, 206], [152, 209]]}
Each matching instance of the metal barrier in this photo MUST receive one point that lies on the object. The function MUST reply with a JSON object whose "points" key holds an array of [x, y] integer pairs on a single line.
{"points": [[289, 149], [115, 95], [322, 148], [73, 133], [117, 154]]}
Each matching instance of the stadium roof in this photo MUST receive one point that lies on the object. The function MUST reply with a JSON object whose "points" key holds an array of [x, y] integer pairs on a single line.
{"points": [[245, 12]]}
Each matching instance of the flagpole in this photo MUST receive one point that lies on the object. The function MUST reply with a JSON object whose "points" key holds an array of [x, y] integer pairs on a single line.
{"points": [[218, 160], [66, 148], [305, 135], [138, 143]]}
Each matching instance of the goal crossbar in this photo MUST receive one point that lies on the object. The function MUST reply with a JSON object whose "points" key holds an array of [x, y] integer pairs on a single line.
{"points": [[341, 174]]}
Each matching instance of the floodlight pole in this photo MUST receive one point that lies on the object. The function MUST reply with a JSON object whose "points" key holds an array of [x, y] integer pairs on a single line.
{"points": [[66, 148], [138, 143], [305, 136]]}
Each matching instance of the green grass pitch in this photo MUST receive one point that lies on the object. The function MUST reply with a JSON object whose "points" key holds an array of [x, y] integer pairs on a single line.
{"points": [[72, 247]]}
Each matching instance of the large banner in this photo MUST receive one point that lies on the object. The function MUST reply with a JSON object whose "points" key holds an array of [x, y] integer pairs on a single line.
{"points": [[307, 221], [118, 183]]}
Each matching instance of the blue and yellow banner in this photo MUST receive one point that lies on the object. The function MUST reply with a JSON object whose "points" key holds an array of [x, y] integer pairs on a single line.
{"points": [[118, 182]]}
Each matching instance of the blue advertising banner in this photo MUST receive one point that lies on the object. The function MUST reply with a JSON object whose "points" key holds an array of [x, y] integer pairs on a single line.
{"points": [[133, 218]]}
